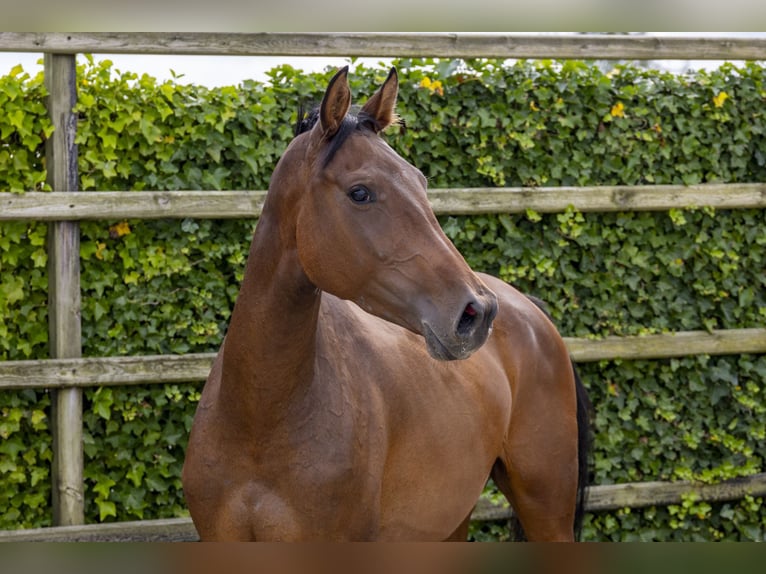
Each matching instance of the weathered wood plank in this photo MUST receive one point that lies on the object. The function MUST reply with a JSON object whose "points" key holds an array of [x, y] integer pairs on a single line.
{"points": [[161, 530], [599, 499], [64, 291], [440, 44], [163, 369], [667, 345], [41, 206], [642, 494], [105, 371], [597, 198]]}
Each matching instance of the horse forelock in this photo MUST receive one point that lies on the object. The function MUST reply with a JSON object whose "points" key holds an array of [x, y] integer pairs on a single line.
{"points": [[356, 120], [306, 119]]}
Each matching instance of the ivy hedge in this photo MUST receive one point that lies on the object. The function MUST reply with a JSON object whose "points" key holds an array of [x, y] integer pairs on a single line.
{"points": [[152, 287]]}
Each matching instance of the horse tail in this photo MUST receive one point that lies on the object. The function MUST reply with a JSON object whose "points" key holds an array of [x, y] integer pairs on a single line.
{"points": [[584, 417]]}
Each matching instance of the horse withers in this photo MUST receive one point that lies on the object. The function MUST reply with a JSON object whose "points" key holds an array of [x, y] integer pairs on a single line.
{"points": [[370, 382]]}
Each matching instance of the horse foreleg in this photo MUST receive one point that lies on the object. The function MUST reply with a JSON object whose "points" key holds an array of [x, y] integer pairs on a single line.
{"points": [[461, 532], [544, 507], [538, 474]]}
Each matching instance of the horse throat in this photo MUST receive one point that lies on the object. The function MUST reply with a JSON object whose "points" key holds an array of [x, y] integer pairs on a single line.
{"points": [[269, 350]]}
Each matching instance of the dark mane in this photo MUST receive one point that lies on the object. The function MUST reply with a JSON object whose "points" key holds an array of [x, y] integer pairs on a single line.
{"points": [[355, 120]]}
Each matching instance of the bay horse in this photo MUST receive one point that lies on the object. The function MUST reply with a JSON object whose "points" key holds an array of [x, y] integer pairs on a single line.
{"points": [[370, 382]]}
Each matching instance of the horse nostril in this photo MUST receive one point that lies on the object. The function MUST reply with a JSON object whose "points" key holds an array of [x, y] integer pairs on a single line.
{"points": [[467, 320]]}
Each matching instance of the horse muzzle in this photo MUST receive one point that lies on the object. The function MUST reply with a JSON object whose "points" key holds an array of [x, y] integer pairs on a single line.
{"points": [[465, 334]]}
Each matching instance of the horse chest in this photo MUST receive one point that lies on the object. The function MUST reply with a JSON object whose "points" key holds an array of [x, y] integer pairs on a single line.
{"points": [[297, 486]]}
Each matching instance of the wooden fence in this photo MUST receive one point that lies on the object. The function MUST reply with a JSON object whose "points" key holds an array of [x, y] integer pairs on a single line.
{"points": [[65, 373]]}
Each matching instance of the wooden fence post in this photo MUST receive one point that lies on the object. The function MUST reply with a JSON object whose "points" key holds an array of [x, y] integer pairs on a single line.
{"points": [[65, 333]]}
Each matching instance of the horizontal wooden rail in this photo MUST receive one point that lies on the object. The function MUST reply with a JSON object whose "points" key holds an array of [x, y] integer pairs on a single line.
{"points": [[597, 198], [642, 494], [62, 206], [668, 345], [58, 206], [392, 44], [599, 498], [164, 369], [105, 371], [162, 530]]}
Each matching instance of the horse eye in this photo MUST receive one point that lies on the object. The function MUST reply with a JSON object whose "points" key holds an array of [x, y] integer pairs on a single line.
{"points": [[360, 194]]}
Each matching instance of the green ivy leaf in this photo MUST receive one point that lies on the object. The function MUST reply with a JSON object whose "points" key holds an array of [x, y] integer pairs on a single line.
{"points": [[106, 508]]}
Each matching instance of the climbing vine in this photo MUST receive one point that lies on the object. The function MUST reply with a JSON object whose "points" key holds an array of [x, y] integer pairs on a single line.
{"points": [[155, 287]]}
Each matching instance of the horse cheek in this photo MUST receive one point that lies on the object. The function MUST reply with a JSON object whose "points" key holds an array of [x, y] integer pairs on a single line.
{"points": [[326, 265]]}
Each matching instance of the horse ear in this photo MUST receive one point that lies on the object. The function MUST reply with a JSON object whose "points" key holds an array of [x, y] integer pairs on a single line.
{"points": [[381, 106], [335, 104]]}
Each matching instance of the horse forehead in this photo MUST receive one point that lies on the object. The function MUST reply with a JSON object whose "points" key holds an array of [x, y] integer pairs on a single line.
{"points": [[370, 154]]}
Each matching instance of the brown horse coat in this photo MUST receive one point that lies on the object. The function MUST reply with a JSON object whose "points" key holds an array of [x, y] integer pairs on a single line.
{"points": [[370, 382]]}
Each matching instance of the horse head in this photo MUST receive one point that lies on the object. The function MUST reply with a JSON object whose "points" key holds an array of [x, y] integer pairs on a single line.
{"points": [[364, 230]]}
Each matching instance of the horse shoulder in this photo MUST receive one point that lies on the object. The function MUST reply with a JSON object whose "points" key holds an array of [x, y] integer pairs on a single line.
{"points": [[524, 328]]}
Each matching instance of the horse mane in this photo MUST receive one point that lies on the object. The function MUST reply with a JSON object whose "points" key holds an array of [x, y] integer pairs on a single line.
{"points": [[355, 120]]}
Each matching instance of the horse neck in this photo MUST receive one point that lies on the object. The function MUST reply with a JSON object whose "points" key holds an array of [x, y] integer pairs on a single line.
{"points": [[268, 354]]}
